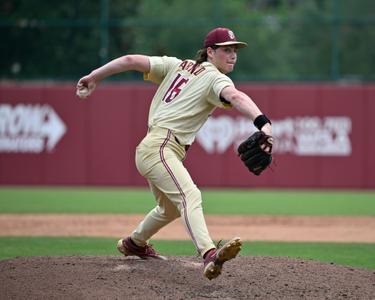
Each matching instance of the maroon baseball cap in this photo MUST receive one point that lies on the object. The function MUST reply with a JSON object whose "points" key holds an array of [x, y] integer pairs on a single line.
{"points": [[222, 37]]}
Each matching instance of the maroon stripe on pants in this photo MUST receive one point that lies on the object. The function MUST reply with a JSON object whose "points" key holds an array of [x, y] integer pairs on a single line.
{"points": [[170, 172]]}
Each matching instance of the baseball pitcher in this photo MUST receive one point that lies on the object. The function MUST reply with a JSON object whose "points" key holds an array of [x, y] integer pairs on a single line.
{"points": [[189, 91]]}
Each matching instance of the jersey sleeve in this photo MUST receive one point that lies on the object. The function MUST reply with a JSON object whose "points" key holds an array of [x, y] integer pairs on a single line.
{"points": [[218, 85], [159, 67]]}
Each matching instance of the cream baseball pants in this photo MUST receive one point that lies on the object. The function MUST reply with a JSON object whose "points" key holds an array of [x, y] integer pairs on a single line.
{"points": [[159, 159]]}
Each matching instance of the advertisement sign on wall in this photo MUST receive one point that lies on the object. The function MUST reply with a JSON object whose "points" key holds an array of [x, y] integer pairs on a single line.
{"points": [[301, 136], [30, 128]]}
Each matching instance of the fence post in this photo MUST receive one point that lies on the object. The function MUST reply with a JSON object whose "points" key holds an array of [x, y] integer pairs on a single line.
{"points": [[104, 35], [335, 51]]}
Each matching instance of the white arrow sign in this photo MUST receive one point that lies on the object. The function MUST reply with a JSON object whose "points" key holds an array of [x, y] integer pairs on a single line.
{"points": [[53, 128], [29, 128]]}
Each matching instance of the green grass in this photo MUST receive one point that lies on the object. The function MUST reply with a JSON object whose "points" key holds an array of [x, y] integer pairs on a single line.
{"points": [[134, 201], [226, 202], [356, 255]]}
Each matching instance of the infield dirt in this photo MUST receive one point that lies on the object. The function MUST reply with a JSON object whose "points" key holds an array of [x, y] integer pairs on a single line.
{"points": [[261, 228], [116, 277]]}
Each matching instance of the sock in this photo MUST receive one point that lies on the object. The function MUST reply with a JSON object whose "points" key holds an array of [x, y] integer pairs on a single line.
{"points": [[208, 252]]}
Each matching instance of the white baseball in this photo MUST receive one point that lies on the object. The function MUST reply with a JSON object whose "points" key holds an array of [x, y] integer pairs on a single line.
{"points": [[82, 92]]}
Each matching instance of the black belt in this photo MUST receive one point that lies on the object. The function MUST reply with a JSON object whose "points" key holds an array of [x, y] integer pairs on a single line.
{"points": [[185, 146]]}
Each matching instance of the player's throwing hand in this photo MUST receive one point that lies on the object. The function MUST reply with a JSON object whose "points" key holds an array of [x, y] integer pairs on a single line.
{"points": [[85, 87]]}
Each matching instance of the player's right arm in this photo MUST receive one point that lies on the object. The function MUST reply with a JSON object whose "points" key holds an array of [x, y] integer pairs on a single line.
{"points": [[133, 62]]}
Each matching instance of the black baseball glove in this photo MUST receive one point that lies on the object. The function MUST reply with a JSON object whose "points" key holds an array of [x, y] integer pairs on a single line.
{"points": [[256, 152]]}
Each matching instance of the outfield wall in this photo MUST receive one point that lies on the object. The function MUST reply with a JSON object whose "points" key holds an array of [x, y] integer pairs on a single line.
{"points": [[324, 136]]}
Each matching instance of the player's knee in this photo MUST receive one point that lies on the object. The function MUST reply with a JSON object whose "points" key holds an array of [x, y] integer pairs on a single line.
{"points": [[171, 212]]}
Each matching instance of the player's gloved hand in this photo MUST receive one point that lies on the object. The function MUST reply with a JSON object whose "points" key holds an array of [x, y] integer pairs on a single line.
{"points": [[256, 152]]}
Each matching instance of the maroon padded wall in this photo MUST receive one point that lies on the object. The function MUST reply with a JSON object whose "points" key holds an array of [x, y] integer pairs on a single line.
{"points": [[50, 137]]}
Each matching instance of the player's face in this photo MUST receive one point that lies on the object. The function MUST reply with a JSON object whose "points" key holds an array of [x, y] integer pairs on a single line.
{"points": [[224, 58]]}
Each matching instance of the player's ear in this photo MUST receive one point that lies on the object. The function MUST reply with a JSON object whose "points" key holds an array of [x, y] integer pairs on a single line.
{"points": [[210, 52]]}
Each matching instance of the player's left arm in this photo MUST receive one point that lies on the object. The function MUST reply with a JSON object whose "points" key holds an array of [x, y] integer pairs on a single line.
{"points": [[244, 104]]}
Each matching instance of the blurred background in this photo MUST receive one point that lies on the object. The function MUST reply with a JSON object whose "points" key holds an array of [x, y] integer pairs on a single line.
{"points": [[288, 39], [310, 66]]}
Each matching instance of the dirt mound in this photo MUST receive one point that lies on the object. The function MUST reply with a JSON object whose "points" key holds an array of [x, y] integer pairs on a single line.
{"points": [[115, 277]]}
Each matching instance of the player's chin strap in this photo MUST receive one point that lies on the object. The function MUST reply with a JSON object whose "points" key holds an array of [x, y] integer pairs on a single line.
{"points": [[260, 121]]}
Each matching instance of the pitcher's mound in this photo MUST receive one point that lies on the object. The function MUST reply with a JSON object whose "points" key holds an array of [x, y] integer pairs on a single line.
{"points": [[116, 277]]}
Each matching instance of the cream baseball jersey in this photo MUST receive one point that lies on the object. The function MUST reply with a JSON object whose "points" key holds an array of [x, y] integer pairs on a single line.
{"points": [[188, 93]]}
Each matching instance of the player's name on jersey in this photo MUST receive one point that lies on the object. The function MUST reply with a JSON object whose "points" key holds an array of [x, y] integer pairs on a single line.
{"points": [[192, 67]]}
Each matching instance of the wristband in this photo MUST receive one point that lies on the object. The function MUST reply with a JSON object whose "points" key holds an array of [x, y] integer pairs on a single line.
{"points": [[260, 121]]}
